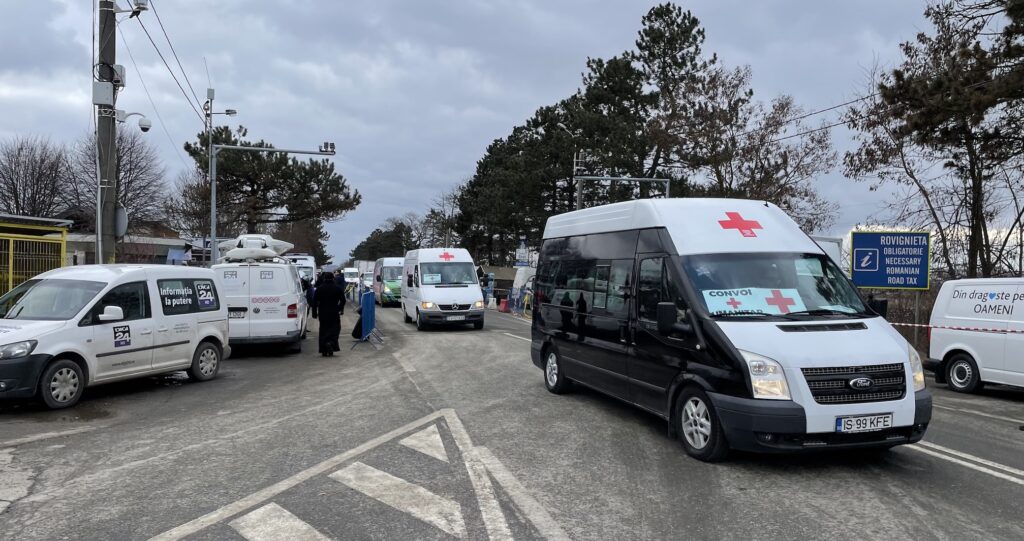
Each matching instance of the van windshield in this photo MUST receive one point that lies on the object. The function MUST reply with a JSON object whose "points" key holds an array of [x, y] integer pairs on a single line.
{"points": [[48, 300], [440, 274], [391, 273], [791, 285]]}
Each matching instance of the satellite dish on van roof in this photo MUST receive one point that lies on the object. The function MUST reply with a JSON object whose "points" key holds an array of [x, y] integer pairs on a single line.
{"points": [[278, 247]]}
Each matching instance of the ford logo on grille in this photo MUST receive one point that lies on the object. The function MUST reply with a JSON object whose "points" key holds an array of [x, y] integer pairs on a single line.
{"points": [[861, 384]]}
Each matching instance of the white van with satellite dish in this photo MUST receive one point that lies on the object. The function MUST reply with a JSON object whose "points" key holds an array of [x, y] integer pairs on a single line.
{"points": [[75, 327], [262, 290], [723, 318], [977, 333], [441, 288]]}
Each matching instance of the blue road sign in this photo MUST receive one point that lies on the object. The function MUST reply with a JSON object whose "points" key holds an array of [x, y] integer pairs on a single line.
{"points": [[890, 259]]}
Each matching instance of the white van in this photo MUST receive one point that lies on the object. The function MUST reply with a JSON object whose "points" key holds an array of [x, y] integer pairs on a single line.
{"points": [[977, 333], [723, 318], [265, 302], [71, 328], [441, 288], [306, 265]]}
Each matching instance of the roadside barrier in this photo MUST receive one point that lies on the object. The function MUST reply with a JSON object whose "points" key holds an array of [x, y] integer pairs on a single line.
{"points": [[957, 328], [368, 318]]}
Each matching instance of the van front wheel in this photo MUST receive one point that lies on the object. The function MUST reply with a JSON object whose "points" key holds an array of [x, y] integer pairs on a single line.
{"points": [[205, 362], [61, 384], [962, 374], [405, 315], [699, 427]]}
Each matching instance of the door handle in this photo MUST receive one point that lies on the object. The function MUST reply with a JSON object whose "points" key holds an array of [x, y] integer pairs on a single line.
{"points": [[146, 331], [162, 329]]}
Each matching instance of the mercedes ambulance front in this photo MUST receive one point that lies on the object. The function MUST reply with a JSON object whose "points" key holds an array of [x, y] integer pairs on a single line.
{"points": [[820, 368]]}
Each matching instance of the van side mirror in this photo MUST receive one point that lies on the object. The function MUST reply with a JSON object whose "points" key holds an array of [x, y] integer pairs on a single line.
{"points": [[112, 313], [668, 320], [408, 281], [378, 278]]}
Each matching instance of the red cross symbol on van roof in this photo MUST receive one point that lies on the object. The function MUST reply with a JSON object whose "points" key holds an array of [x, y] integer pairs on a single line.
{"points": [[736, 221], [446, 256]]}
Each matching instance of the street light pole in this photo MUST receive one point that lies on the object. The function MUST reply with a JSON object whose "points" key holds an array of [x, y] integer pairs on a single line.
{"points": [[572, 171], [212, 169], [327, 149]]}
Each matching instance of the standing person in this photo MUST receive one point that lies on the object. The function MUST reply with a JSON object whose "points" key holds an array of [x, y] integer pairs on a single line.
{"points": [[307, 291], [328, 307]]}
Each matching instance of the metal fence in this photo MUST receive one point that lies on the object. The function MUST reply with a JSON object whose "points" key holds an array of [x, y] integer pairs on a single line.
{"points": [[24, 256]]}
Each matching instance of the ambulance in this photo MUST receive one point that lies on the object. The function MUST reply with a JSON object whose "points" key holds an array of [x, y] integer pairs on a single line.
{"points": [[441, 288], [723, 318]]}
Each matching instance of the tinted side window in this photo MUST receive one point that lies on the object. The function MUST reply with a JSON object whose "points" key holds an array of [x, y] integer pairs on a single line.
{"points": [[133, 299], [618, 286], [650, 241], [654, 285], [617, 245], [177, 297]]}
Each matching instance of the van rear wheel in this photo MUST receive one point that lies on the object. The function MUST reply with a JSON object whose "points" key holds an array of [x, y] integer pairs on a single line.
{"points": [[205, 362], [962, 374], [699, 426]]}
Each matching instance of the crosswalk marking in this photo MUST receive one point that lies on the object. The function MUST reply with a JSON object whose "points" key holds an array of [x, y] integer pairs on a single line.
{"points": [[413, 499], [427, 441], [272, 523]]}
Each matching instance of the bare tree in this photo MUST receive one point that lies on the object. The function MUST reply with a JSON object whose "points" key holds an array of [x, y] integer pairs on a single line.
{"points": [[32, 172], [142, 190]]}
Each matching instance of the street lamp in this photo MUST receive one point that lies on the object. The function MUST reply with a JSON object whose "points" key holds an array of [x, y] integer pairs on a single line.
{"points": [[208, 109], [572, 172], [326, 149]]}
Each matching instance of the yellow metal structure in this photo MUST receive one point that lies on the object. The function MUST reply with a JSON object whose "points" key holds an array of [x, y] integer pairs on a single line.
{"points": [[37, 249]]}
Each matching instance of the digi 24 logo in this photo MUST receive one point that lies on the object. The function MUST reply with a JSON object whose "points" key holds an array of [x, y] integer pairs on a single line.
{"points": [[122, 336]]}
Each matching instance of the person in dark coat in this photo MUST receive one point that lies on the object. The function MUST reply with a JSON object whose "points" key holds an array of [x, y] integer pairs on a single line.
{"points": [[328, 307]]}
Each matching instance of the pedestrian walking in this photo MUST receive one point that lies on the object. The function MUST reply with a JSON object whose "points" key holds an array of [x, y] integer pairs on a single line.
{"points": [[328, 307]]}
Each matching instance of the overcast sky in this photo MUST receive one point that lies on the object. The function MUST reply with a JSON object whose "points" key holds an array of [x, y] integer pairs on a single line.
{"points": [[413, 91]]}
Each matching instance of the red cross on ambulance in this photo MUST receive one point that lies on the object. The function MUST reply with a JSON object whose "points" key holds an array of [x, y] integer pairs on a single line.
{"points": [[736, 221]]}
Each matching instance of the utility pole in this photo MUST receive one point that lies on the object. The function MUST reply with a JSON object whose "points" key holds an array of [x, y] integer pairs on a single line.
{"points": [[106, 139]]}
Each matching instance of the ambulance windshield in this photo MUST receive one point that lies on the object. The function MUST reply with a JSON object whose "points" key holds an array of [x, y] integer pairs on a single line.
{"points": [[446, 274], [790, 285]]}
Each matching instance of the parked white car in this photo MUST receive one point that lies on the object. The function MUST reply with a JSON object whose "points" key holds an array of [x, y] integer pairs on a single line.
{"points": [[74, 327], [265, 302], [977, 333]]}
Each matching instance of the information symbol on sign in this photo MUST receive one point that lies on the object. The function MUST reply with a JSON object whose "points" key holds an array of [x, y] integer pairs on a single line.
{"points": [[865, 259]]}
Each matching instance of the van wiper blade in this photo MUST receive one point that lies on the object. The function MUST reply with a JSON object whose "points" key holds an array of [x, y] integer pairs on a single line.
{"points": [[824, 312]]}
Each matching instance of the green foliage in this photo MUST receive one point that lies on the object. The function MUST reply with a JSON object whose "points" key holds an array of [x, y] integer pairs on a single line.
{"points": [[260, 189], [392, 241]]}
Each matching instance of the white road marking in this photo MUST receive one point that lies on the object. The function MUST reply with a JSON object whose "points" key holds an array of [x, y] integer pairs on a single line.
{"points": [[490, 510], [272, 523], [427, 441], [981, 414], [408, 498], [530, 507], [966, 464], [515, 336], [506, 317], [265, 494], [45, 436], [989, 463]]}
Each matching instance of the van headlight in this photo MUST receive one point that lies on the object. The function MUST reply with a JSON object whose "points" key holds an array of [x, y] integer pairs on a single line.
{"points": [[766, 377], [387, 289], [17, 349], [478, 305], [427, 305], [916, 367]]}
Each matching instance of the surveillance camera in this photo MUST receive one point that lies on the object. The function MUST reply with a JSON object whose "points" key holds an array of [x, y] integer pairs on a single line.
{"points": [[145, 124]]}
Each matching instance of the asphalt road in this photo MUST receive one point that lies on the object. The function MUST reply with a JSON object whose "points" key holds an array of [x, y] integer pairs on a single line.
{"points": [[450, 434]]}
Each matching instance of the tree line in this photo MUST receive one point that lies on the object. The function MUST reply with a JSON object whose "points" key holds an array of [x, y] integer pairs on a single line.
{"points": [[257, 192], [941, 129]]}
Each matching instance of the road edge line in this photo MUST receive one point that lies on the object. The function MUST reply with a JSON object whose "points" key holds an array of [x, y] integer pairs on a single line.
{"points": [[966, 464]]}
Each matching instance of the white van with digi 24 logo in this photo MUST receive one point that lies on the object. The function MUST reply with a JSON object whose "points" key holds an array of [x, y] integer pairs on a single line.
{"points": [[71, 328], [977, 333]]}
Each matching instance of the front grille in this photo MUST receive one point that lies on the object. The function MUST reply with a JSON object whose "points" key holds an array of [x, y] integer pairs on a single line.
{"points": [[831, 385], [454, 306]]}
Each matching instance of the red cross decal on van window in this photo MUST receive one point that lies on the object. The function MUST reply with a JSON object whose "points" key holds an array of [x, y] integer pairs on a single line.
{"points": [[780, 302], [446, 256], [736, 221], [734, 303]]}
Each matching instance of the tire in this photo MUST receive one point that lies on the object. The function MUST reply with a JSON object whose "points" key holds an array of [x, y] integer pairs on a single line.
{"points": [[478, 325], [405, 315], [61, 384], [420, 325], [295, 347], [554, 374], [699, 427], [962, 374], [205, 362]]}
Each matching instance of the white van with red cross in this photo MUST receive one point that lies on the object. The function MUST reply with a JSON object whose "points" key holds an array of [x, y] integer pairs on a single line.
{"points": [[441, 288], [723, 318]]}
